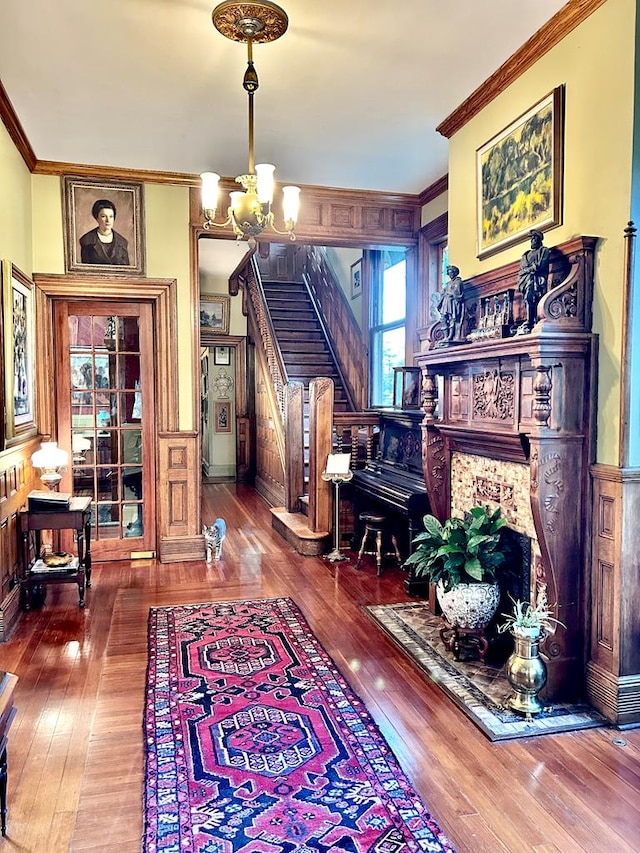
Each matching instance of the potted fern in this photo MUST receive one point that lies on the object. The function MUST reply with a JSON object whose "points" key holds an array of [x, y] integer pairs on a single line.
{"points": [[462, 557], [527, 620]]}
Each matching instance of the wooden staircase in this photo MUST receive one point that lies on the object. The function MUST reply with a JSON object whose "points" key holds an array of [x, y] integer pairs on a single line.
{"points": [[305, 350]]}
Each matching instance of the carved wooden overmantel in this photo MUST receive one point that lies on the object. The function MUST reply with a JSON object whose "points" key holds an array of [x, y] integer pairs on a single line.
{"points": [[529, 399]]}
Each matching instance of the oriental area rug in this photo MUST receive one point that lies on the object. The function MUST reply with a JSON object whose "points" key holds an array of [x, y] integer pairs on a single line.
{"points": [[255, 742], [478, 688]]}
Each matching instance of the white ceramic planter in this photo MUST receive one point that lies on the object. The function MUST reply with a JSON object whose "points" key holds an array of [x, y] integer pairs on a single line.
{"points": [[469, 605]]}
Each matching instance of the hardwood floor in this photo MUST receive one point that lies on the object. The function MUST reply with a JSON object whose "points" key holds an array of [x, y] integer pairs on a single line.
{"points": [[76, 749]]}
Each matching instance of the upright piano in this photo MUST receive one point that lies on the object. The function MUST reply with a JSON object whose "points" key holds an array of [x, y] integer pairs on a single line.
{"points": [[393, 483]]}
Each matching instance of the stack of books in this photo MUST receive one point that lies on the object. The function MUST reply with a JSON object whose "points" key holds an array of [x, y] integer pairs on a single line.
{"points": [[45, 501], [39, 567]]}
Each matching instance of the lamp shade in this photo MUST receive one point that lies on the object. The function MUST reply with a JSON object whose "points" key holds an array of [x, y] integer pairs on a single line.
{"points": [[264, 172], [209, 190], [49, 457], [291, 204]]}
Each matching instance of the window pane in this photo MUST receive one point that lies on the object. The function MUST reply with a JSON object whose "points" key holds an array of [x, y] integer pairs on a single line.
{"points": [[388, 353], [394, 286]]}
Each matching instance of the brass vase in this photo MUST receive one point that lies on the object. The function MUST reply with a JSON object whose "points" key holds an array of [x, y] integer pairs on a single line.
{"points": [[527, 675]]}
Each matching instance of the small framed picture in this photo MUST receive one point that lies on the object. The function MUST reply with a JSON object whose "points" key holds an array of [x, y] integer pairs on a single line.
{"points": [[356, 278], [103, 225], [214, 314], [19, 354], [222, 355], [222, 416]]}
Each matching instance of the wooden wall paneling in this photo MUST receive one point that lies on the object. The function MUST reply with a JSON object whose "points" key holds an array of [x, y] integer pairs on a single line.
{"points": [[269, 463], [339, 217], [179, 531], [613, 673]]}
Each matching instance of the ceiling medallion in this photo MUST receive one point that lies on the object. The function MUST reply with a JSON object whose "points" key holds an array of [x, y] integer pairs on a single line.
{"points": [[261, 22]]}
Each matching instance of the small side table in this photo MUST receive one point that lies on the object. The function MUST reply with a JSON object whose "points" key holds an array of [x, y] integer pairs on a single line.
{"points": [[78, 518]]}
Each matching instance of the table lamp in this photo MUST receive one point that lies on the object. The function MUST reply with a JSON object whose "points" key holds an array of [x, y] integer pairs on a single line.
{"points": [[50, 459]]}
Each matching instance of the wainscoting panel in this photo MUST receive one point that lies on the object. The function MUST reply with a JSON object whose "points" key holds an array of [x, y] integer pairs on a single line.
{"points": [[178, 514]]}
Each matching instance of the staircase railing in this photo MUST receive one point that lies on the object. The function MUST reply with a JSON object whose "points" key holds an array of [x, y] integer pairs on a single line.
{"points": [[270, 346], [343, 332]]}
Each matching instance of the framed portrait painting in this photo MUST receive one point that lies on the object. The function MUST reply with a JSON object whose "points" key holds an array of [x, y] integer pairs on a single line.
{"points": [[222, 416], [214, 314], [19, 354], [103, 224], [520, 176], [356, 278]]}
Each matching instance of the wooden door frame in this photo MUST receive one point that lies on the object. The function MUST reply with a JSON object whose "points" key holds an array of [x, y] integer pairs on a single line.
{"points": [[161, 294], [238, 344]]}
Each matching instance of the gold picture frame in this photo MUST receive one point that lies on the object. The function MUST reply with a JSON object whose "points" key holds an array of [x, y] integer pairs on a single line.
{"points": [[19, 355], [520, 176], [214, 314], [222, 416], [84, 250]]}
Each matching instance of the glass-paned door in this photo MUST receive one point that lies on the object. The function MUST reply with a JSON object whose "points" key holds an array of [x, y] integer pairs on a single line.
{"points": [[105, 420]]}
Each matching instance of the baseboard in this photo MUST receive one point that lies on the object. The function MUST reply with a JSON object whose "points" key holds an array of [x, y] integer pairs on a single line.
{"points": [[181, 549], [617, 697], [9, 613]]}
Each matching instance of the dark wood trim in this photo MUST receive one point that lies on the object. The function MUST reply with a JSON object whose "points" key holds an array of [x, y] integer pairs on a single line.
{"points": [[434, 190], [161, 292], [15, 130], [628, 322], [571, 15], [147, 176], [179, 530]]}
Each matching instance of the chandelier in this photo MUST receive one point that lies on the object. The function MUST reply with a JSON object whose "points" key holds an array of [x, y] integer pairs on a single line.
{"points": [[250, 211]]}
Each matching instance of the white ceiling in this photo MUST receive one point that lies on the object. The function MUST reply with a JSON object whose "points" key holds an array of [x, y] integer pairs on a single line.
{"points": [[350, 96]]}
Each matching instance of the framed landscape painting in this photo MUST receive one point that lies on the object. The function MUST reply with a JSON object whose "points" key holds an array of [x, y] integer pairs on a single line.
{"points": [[519, 176], [103, 223], [214, 314]]}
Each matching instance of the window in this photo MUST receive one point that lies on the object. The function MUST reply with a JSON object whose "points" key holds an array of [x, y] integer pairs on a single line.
{"points": [[387, 326]]}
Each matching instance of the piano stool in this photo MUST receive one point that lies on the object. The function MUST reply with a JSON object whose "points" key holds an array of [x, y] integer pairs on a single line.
{"points": [[375, 524]]}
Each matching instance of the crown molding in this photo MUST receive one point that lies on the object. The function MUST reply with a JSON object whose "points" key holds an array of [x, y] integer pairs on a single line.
{"points": [[148, 176], [548, 36], [15, 130], [434, 190]]}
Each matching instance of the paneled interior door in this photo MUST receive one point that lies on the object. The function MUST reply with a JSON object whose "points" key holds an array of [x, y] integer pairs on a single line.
{"points": [[105, 405]]}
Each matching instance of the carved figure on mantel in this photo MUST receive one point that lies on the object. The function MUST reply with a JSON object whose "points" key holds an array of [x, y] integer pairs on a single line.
{"points": [[532, 278], [451, 307]]}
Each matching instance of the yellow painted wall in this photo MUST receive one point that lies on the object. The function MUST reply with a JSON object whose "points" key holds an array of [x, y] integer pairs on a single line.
{"points": [[596, 64], [48, 245], [167, 240], [15, 205], [435, 208], [167, 227]]}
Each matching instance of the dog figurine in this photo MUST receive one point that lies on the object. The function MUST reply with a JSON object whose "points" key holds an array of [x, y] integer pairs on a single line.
{"points": [[213, 538]]}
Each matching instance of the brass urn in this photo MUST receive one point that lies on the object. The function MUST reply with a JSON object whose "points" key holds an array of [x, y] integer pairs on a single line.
{"points": [[526, 673]]}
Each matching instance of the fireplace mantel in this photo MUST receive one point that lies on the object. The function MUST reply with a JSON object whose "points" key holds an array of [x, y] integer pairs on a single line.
{"points": [[529, 399]]}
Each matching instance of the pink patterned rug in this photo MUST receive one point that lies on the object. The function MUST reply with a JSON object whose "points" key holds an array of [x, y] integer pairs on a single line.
{"points": [[256, 743]]}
